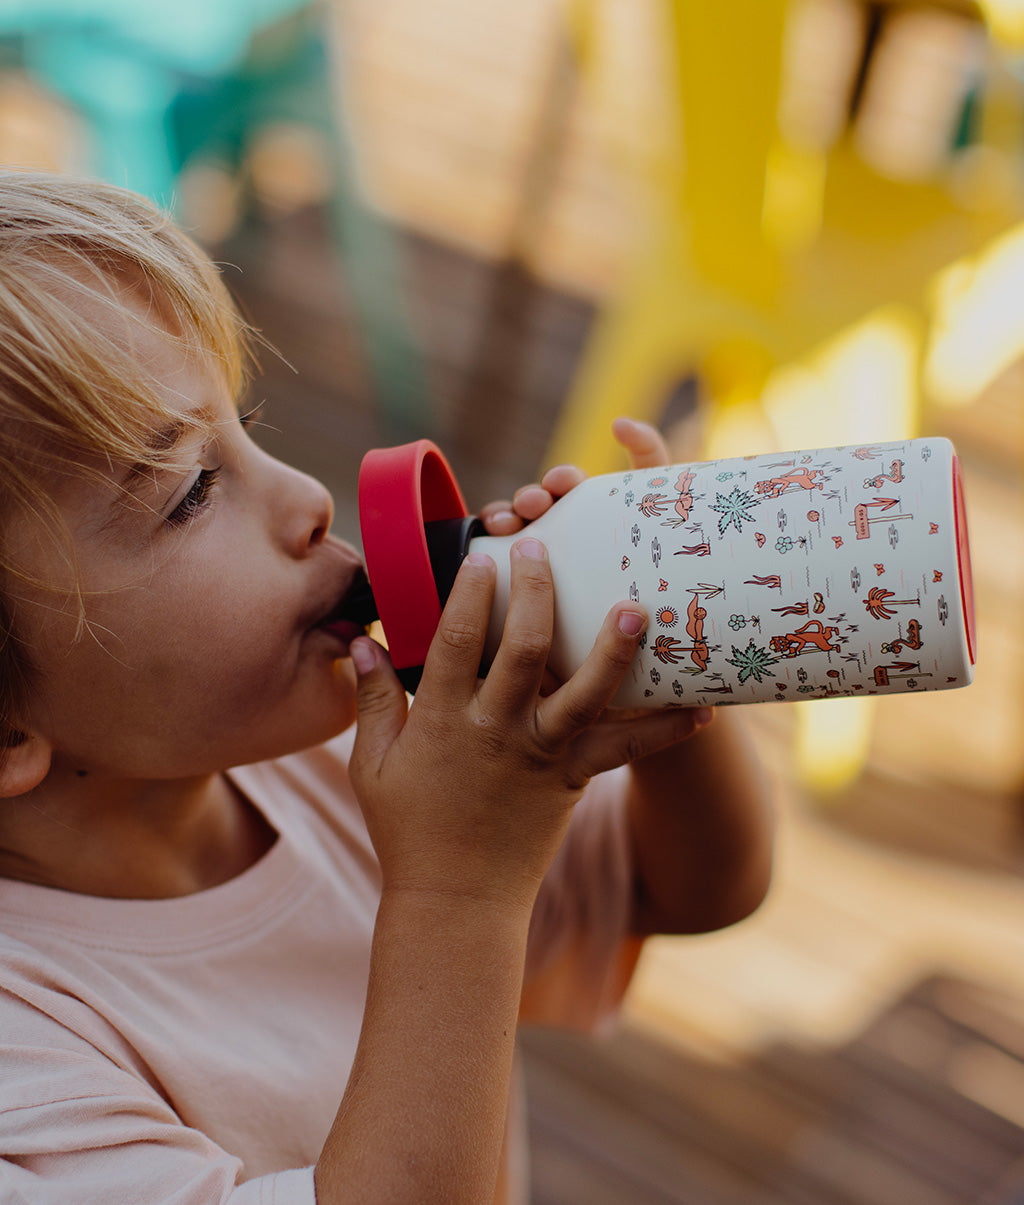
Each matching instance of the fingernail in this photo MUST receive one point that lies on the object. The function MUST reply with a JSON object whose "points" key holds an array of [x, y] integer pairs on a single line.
{"points": [[632, 623], [364, 655], [478, 558], [530, 548], [503, 516], [703, 716]]}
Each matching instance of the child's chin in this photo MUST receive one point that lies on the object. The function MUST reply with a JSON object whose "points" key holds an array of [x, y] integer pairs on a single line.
{"points": [[343, 714], [336, 714]]}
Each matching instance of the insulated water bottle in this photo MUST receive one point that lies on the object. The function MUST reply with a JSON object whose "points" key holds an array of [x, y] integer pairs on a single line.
{"points": [[785, 576]]}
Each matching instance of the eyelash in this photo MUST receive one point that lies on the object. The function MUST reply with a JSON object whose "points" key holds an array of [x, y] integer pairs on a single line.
{"points": [[196, 498], [253, 417]]}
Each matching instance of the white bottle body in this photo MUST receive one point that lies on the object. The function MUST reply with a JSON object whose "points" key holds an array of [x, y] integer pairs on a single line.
{"points": [[785, 576]]}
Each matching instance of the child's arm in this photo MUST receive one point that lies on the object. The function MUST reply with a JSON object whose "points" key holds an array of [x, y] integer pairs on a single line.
{"points": [[467, 796], [701, 822]]}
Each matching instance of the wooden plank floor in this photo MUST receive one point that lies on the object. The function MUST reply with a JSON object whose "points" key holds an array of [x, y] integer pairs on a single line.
{"points": [[879, 1121]]}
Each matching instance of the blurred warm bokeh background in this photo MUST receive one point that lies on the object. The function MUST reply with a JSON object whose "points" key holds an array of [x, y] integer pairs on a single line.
{"points": [[763, 225]]}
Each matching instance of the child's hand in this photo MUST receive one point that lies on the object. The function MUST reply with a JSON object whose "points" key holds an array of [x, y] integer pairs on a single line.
{"points": [[646, 449], [470, 791]]}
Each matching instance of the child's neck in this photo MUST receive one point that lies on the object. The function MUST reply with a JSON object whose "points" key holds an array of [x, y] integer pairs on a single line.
{"points": [[155, 840]]}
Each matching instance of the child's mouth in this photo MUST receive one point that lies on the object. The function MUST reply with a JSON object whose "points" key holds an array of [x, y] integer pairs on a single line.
{"points": [[354, 613]]}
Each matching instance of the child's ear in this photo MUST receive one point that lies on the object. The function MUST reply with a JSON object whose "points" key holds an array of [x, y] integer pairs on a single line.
{"points": [[24, 765]]}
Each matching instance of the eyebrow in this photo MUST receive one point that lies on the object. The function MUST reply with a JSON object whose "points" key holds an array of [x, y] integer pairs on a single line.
{"points": [[163, 441]]}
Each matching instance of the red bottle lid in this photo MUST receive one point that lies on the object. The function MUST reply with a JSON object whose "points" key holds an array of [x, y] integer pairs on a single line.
{"points": [[400, 490], [963, 553]]}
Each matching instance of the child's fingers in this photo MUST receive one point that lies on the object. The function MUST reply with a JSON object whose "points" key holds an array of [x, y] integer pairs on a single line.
{"points": [[646, 448], [516, 675], [500, 519], [381, 703], [453, 660], [531, 501], [615, 742], [591, 688], [561, 479]]}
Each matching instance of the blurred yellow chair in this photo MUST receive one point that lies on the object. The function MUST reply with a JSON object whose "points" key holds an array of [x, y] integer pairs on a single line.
{"points": [[780, 226], [763, 243]]}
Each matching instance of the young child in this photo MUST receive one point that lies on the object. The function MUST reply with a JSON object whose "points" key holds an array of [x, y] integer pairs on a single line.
{"points": [[245, 959]]}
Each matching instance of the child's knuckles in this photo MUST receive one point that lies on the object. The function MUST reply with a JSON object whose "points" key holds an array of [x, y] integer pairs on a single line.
{"points": [[653, 733], [626, 747], [532, 578], [684, 727], [377, 695], [490, 736], [674, 724], [439, 724], [457, 634], [579, 711], [639, 744], [614, 654], [531, 604], [526, 647]]}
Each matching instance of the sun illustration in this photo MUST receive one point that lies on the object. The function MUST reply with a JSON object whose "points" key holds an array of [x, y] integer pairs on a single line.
{"points": [[668, 617]]}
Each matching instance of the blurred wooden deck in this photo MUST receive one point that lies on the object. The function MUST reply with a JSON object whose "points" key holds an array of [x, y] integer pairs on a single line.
{"points": [[887, 1119]]}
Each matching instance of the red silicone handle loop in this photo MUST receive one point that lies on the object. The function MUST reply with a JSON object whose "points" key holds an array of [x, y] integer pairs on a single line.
{"points": [[400, 490]]}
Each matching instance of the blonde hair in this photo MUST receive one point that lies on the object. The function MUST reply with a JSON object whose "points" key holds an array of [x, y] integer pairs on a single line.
{"points": [[72, 391]]}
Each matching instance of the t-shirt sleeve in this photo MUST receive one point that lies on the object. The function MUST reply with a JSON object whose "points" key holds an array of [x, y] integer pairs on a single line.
{"points": [[75, 1126], [581, 953]]}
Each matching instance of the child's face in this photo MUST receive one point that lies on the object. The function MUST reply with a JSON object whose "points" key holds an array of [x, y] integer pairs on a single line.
{"points": [[203, 589]]}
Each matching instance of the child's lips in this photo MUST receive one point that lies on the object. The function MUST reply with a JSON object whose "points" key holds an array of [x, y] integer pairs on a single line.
{"points": [[343, 629], [353, 613]]}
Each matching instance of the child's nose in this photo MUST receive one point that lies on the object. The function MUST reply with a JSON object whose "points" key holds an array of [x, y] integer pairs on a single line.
{"points": [[308, 517]]}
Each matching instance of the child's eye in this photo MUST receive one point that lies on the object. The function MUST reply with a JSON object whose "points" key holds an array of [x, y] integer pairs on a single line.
{"points": [[195, 499]]}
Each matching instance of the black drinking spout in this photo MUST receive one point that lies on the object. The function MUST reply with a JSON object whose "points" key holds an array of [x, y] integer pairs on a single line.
{"points": [[447, 543], [359, 605]]}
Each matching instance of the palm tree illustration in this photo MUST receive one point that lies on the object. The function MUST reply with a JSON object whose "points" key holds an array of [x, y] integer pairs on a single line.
{"points": [[880, 602]]}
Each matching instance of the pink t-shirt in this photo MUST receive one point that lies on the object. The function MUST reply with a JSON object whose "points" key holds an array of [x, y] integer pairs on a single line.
{"points": [[195, 1050]]}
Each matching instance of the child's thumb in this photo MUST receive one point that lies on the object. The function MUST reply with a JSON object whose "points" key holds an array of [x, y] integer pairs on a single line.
{"points": [[380, 701]]}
